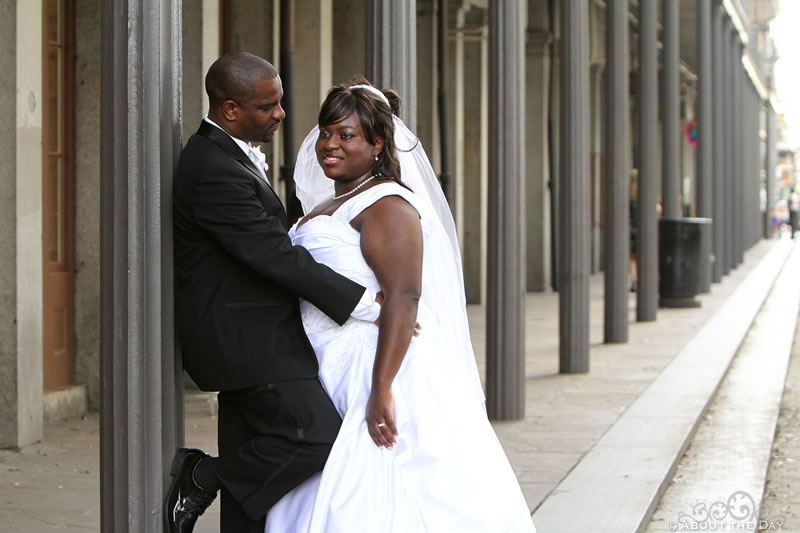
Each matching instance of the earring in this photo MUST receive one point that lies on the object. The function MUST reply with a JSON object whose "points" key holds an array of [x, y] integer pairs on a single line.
{"points": [[376, 157]]}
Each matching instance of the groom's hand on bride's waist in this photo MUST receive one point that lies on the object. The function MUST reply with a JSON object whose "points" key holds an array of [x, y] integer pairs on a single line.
{"points": [[379, 300]]}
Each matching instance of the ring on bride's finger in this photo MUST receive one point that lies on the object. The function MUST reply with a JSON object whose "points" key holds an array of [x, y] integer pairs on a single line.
{"points": [[381, 424]]}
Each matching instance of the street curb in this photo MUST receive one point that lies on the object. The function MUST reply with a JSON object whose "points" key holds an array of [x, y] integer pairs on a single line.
{"points": [[617, 485]]}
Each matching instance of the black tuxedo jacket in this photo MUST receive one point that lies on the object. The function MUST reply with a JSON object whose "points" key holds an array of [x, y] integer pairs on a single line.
{"points": [[237, 275]]}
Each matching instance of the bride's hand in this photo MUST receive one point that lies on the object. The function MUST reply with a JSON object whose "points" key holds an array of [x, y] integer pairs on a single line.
{"points": [[380, 417]]}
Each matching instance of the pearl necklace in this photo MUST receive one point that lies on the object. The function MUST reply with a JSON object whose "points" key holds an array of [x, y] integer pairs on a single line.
{"points": [[348, 193]]}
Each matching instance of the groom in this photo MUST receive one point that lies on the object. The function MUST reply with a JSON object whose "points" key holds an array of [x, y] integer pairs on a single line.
{"points": [[238, 279]]}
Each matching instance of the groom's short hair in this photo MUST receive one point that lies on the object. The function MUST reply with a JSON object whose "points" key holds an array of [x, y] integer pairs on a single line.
{"points": [[234, 75]]}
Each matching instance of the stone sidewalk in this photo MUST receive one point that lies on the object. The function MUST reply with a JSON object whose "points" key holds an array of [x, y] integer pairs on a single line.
{"points": [[54, 484]]}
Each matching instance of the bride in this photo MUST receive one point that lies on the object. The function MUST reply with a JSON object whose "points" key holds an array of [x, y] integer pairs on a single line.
{"points": [[415, 452]]}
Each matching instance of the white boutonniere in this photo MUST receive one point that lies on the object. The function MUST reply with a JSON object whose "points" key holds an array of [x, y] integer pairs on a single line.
{"points": [[260, 156]]}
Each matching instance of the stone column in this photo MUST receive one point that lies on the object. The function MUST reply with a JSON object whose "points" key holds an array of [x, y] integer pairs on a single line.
{"points": [[210, 48], [470, 188], [728, 176], [718, 136], [200, 47], [733, 153], [597, 155], [313, 55], [250, 27], [647, 221], [505, 309], [537, 102], [392, 51], [29, 260], [87, 199], [21, 224], [9, 353], [755, 175], [769, 163], [617, 242], [141, 421], [192, 72], [671, 178], [752, 218], [350, 53], [428, 84], [755, 168], [705, 124], [738, 152], [573, 194]]}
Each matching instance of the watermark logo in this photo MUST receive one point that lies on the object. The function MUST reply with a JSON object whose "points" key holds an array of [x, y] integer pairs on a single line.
{"points": [[739, 512]]}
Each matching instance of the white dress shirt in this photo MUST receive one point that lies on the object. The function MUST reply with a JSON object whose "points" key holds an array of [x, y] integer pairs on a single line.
{"points": [[254, 153]]}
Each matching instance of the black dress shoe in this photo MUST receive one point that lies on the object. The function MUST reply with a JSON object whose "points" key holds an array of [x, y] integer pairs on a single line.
{"points": [[185, 499]]}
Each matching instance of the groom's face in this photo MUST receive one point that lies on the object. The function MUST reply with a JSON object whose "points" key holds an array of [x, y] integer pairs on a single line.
{"points": [[257, 118]]}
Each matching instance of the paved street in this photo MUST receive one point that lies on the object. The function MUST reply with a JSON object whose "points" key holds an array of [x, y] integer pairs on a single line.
{"points": [[782, 493], [570, 429], [720, 479]]}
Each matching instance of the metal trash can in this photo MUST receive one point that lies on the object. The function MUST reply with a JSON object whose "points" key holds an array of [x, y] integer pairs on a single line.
{"points": [[679, 247]]}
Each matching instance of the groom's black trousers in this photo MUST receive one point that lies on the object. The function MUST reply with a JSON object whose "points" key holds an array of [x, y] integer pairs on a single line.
{"points": [[271, 438]]}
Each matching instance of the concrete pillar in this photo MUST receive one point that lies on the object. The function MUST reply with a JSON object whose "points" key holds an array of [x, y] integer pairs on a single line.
{"points": [[597, 140], [141, 421], [705, 124], [573, 200], [9, 400], [647, 223], [210, 47], [769, 164], [470, 197], [733, 147], [442, 92], [671, 178], [192, 75], [348, 47], [313, 55], [427, 83], [750, 220], [738, 152], [254, 26], [87, 199], [505, 309], [617, 242], [392, 51], [455, 78], [554, 153], [597, 157], [21, 234], [755, 169], [200, 46], [249, 25], [728, 177], [718, 135], [537, 103], [688, 153], [756, 166]]}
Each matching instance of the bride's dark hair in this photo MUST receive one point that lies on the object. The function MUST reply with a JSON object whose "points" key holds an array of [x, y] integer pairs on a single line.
{"points": [[374, 116]]}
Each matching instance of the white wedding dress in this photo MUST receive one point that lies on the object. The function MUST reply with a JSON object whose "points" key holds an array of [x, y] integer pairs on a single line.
{"points": [[447, 472]]}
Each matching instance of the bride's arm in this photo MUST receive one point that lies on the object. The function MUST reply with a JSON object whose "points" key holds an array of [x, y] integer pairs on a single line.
{"points": [[391, 241]]}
